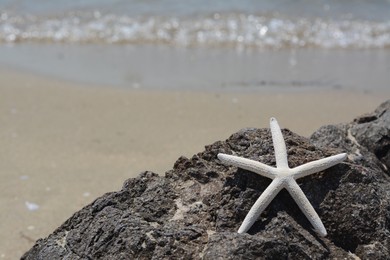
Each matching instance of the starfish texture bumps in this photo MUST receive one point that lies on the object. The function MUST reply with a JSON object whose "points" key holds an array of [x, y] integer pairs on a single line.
{"points": [[282, 177]]}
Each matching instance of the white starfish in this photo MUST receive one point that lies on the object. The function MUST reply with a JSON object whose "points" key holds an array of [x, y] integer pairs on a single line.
{"points": [[283, 177]]}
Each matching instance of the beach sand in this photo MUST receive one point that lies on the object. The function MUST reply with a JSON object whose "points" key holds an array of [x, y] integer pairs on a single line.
{"points": [[62, 144]]}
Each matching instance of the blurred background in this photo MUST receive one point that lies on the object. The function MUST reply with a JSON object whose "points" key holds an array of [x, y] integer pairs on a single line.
{"points": [[94, 92], [197, 44]]}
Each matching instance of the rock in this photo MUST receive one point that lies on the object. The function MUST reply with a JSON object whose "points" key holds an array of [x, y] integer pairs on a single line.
{"points": [[196, 209], [367, 138]]}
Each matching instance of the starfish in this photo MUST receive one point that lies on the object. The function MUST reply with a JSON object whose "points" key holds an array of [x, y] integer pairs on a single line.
{"points": [[282, 177]]}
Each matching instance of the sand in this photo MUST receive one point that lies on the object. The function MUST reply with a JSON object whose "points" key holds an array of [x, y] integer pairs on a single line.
{"points": [[62, 144]]}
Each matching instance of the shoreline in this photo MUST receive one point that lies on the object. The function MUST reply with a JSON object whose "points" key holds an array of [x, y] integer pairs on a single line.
{"points": [[64, 144], [202, 69]]}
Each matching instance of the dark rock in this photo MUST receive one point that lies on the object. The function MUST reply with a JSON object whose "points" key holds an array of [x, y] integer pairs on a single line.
{"points": [[196, 209], [367, 138]]}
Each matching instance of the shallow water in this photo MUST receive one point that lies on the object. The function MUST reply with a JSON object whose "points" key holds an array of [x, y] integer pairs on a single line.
{"points": [[163, 67], [220, 45]]}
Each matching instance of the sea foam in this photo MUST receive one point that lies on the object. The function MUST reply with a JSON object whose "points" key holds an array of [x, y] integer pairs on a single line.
{"points": [[261, 31]]}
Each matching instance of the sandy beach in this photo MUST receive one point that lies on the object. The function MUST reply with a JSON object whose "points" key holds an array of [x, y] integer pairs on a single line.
{"points": [[63, 145]]}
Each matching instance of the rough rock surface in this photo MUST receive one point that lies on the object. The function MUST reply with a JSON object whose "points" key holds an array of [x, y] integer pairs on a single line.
{"points": [[196, 209]]}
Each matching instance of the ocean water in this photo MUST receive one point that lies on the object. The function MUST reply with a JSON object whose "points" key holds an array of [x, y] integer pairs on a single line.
{"points": [[220, 23], [197, 44]]}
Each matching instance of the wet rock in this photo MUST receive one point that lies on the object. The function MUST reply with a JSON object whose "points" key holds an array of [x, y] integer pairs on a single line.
{"points": [[194, 212]]}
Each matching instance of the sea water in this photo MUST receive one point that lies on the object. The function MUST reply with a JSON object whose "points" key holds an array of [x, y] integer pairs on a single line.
{"points": [[219, 44], [245, 23]]}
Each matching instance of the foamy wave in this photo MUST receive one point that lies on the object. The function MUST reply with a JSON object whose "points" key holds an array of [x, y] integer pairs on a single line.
{"points": [[217, 30]]}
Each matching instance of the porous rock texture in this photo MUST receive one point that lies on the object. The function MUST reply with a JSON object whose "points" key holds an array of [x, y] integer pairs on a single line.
{"points": [[195, 210]]}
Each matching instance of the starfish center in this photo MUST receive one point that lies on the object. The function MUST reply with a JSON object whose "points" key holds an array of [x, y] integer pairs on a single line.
{"points": [[284, 172]]}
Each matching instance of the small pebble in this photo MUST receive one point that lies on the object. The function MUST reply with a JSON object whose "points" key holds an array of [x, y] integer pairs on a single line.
{"points": [[30, 227], [31, 206]]}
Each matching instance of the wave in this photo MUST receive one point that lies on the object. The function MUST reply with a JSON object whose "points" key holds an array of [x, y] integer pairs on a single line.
{"points": [[239, 30]]}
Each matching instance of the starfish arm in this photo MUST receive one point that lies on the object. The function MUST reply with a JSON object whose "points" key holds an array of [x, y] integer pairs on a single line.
{"points": [[261, 203], [317, 166], [305, 206], [279, 144], [247, 164]]}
